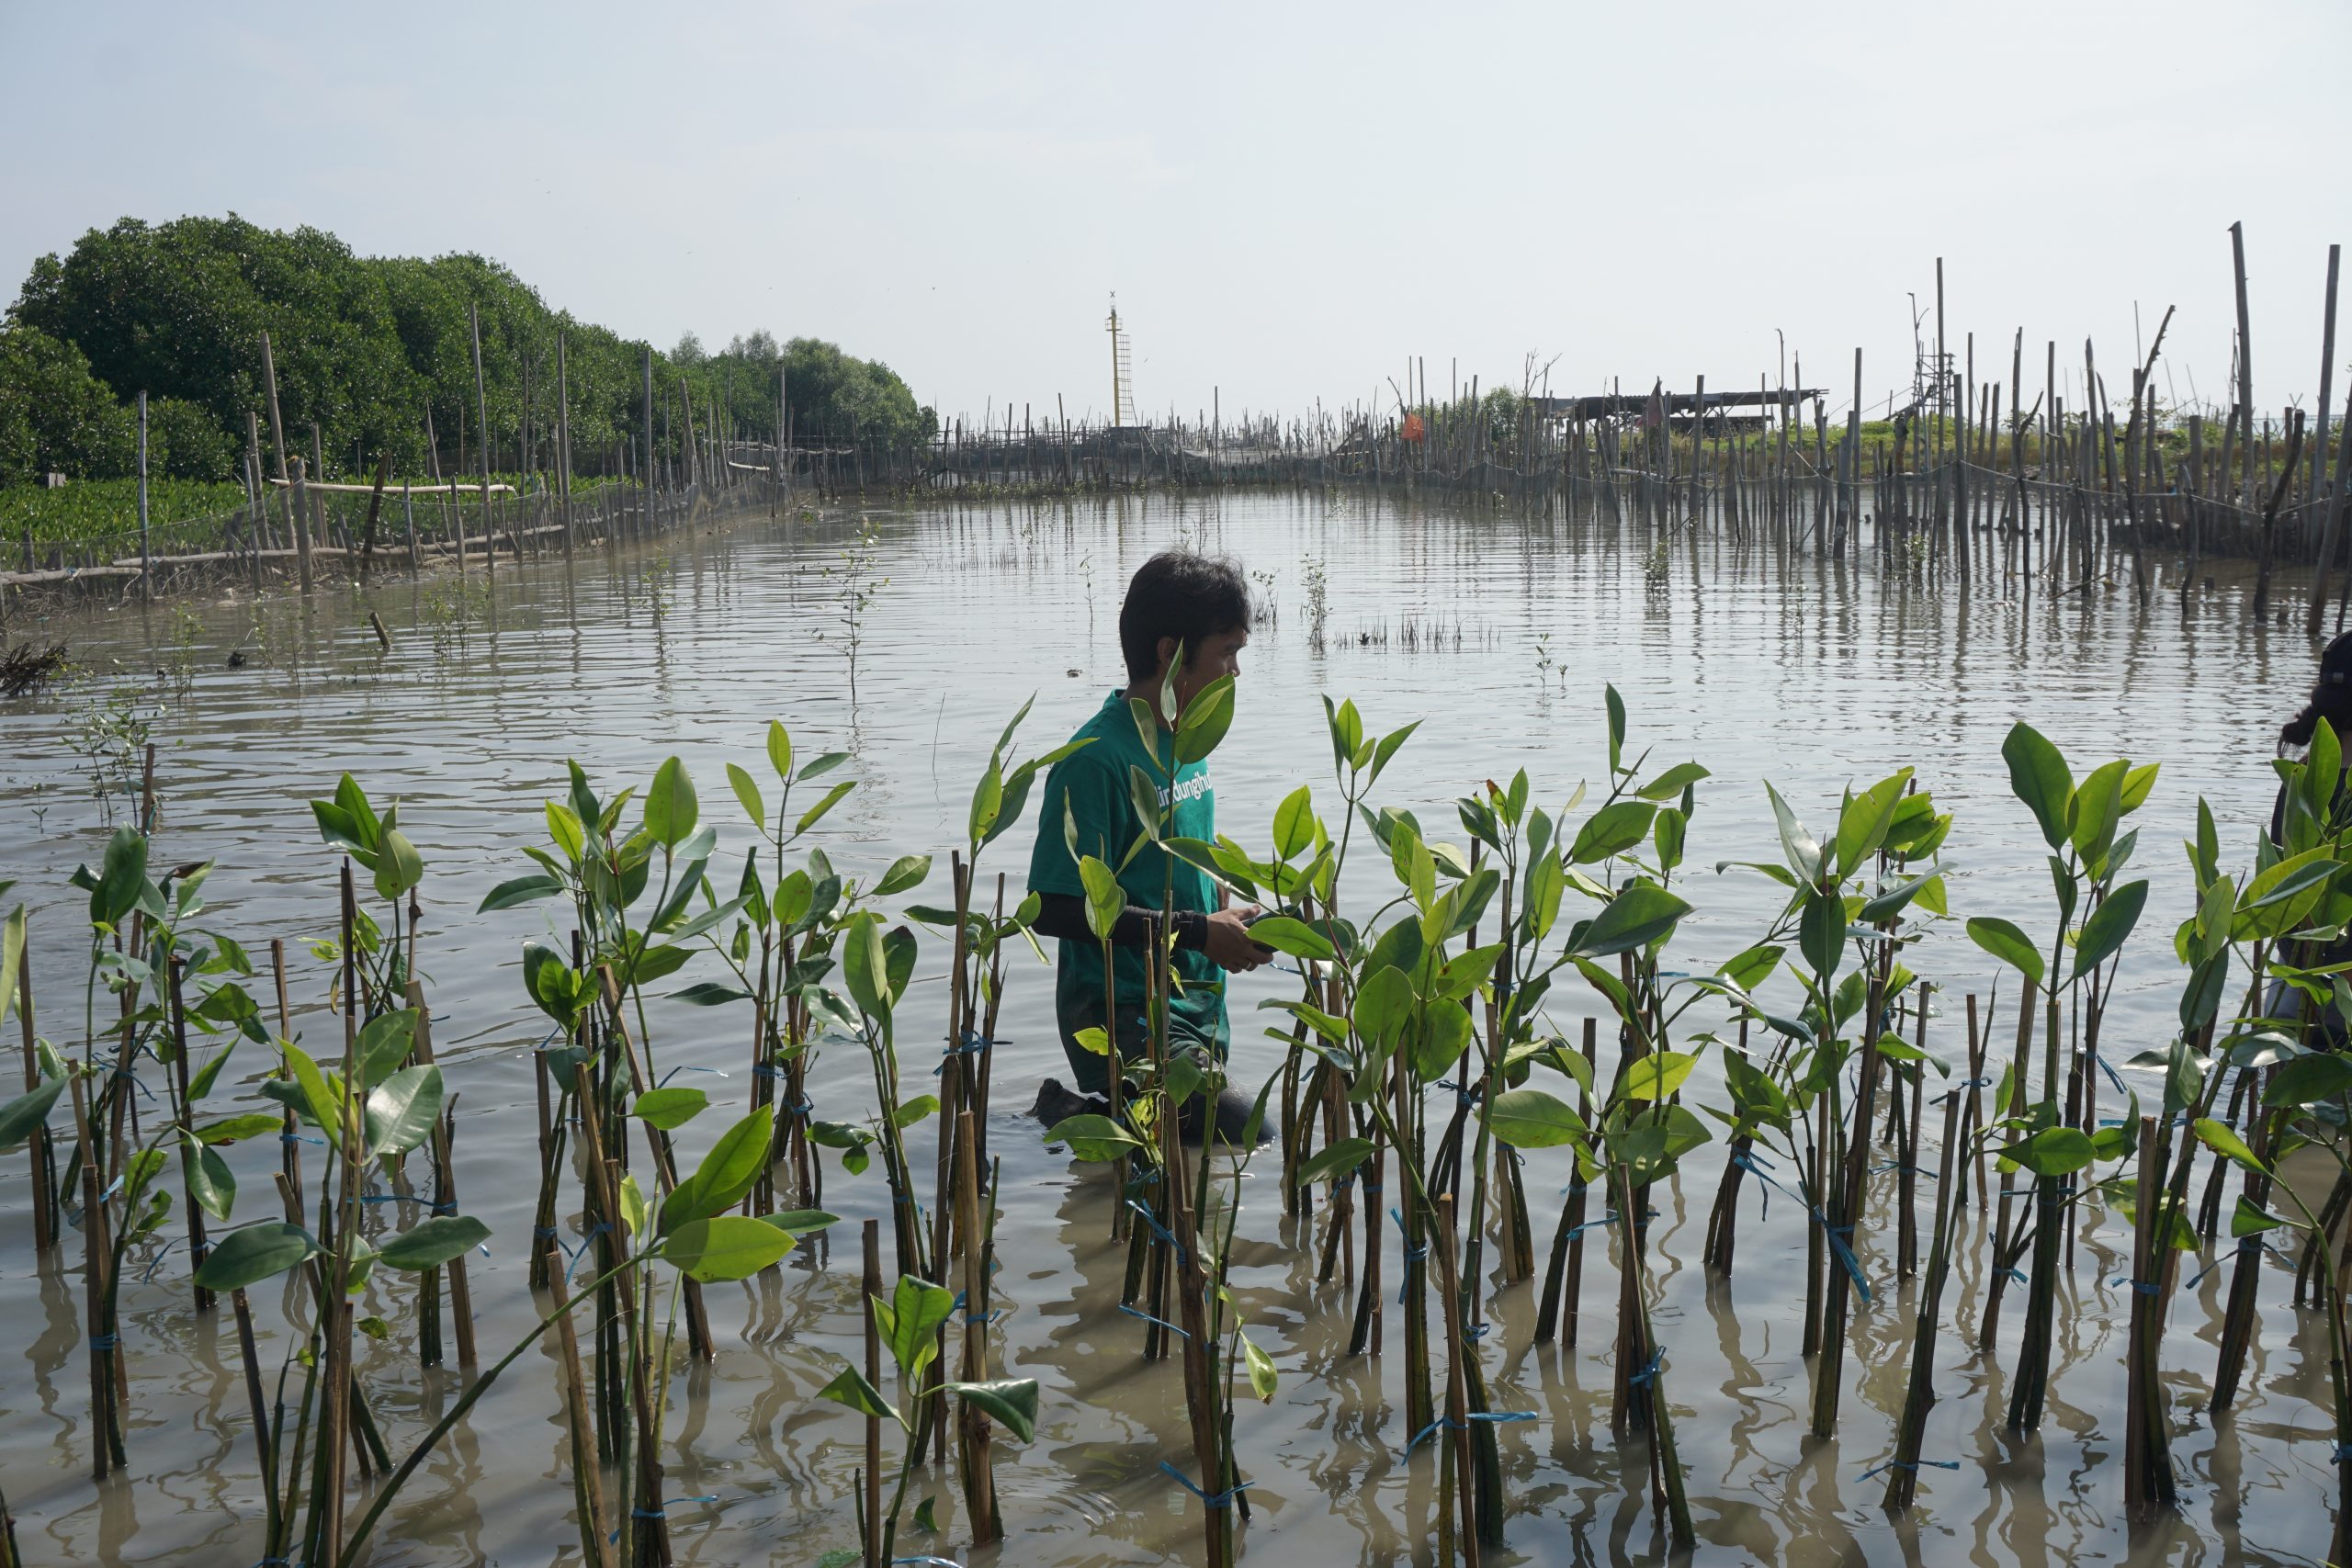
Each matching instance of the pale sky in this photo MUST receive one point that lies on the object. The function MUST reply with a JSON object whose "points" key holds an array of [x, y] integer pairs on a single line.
{"points": [[1290, 202]]}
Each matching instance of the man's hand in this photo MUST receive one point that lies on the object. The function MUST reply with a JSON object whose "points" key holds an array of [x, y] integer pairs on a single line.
{"points": [[1229, 945]]}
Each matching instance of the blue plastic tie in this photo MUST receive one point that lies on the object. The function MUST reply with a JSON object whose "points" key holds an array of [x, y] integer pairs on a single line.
{"points": [[160, 1254], [1902, 1165], [683, 1067], [2140, 1287], [581, 1250], [2343, 1454], [1658, 1358], [1222, 1500], [930, 1562], [298, 1138], [1132, 1311], [2016, 1274], [1837, 1235], [1478, 1332], [661, 1511], [767, 1070], [1909, 1464], [1423, 1436], [2111, 1077], [801, 1110], [1162, 1232], [103, 1343], [1608, 1219], [1412, 1255]]}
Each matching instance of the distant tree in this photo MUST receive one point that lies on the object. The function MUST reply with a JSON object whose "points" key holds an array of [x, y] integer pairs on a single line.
{"points": [[689, 351], [55, 416]]}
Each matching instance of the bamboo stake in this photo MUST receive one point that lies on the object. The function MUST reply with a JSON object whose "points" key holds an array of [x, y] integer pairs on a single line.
{"points": [[587, 1473]]}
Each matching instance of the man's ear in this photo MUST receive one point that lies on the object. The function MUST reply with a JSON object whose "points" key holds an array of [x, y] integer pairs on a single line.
{"points": [[1169, 647]]}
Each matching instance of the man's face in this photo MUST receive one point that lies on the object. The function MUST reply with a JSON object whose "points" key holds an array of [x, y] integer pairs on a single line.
{"points": [[1218, 656]]}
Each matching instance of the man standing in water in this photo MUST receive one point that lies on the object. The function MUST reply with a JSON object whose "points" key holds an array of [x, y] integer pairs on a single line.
{"points": [[1178, 605]]}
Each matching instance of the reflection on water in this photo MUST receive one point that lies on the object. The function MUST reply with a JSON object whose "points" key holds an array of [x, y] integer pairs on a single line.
{"points": [[1496, 629]]}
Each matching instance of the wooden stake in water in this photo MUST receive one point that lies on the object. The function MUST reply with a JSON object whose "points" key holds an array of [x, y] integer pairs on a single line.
{"points": [[871, 1478], [587, 1474], [37, 1146]]}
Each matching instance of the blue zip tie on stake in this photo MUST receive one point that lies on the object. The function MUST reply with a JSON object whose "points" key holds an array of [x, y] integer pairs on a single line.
{"points": [[1608, 1219], [1412, 1255], [1159, 1230], [1910, 1464], [298, 1138], [930, 1562], [1423, 1436], [2109, 1071], [154, 1262], [767, 1070], [683, 1068], [659, 1511], [581, 1250], [103, 1343], [2139, 1287], [2343, 1454], [1222, 1500], [1658, 1358], [1163, 1322], [2016, 1274]]}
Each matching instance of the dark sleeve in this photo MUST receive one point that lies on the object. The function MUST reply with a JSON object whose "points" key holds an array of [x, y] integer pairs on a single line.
{"points": [[2278, 817], [1063, 917]]}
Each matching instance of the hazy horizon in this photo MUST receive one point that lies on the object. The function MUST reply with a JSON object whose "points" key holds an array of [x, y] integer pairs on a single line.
{"points": [[1288, 209]]}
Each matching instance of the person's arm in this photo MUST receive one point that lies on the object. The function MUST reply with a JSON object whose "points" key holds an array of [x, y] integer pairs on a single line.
{"points": [[1063, 917]]}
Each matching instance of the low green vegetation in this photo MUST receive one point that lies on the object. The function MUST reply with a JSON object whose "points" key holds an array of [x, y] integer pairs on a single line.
{"points": [[1418, 1076]]}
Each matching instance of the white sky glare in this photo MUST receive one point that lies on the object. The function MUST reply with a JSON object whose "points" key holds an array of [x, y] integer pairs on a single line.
{"points": [[1289, 200]]}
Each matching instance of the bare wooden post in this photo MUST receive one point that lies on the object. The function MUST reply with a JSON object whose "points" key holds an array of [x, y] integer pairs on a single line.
{"points": [[481, 408], [564, 439], [2246, 348], [872, 1477], [408, 521], [44, 1236], [298, 505], [646, 478], [145, 561]]}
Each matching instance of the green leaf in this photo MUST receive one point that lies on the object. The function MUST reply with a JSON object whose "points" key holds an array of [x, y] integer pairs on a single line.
{"points": [[798, 1223], [670, 808], [1091, 1138], [1011, 1403], [1638, 915], [726, 1248], [1612, 831], [1821, 929], [1295, 823], [2008, 943], [2038, 776], [866, 966], [1863, 823], [668, 1108], [2306, 1080], [2053, 1151], [780, 751], [2217, 1136], [398, 866], [325, 1108], [1530, 1119], [747, 795], [521, 890], [726, 1173], [1205, 720], [1334, 1160], [248, 1256], [907, 1320], [210, 1181], [433, 1241], [236, 1129], [2108, 927], [710, 994], [26, 1114], [384, 1043], [851, 1388], [1295, 937], [122, 877], [1263, 1380], [400, 1111], [1658, 1074], [2252, 1219], [910, 1111], [1672, 782], [1803, 850], [815, 813], [1105, 899], [907, 871]]}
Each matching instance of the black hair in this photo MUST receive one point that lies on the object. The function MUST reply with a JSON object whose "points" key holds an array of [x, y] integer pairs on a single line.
{"points": [[2330, 697], [1182, 594]]}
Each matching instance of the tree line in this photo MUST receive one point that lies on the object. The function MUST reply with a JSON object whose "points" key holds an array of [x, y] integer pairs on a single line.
{"points": [[376, 352]]}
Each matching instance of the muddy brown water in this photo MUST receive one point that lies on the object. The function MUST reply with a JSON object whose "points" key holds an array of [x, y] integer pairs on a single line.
{"points": [[1498, 631]]}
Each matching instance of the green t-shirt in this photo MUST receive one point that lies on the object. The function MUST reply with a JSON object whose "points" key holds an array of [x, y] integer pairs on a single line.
{"points": [[1092, 784]]}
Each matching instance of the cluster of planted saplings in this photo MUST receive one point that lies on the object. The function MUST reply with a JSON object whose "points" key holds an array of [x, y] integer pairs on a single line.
{"points": [[1419, 1058]]}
